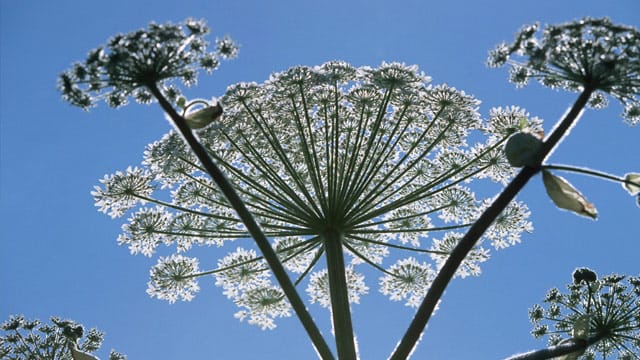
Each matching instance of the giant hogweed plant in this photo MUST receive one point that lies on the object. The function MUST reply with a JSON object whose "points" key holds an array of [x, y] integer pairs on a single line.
{"points": [[336, 172], [24, 339], [598, 316]]}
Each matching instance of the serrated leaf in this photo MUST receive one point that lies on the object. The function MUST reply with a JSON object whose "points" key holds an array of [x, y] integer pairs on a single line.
{"points": [[565, 196], [632, 188]]}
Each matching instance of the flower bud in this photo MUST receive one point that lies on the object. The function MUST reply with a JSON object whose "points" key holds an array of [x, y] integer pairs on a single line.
{"points": [[77, 354], [633, 189], [181, 102], [565, 196], [521, 149], [203, 117], [584, 274]]}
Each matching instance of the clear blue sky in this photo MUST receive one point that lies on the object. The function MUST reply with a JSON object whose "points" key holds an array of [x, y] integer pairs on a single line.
{"points": [[58, 255]]}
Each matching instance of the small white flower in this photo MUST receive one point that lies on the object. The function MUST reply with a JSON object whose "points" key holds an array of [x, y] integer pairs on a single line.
{"points": [[239, 271], [407, 280], [172, 278], [263, 305], [146, 229], [123, 191], [470, 265]]}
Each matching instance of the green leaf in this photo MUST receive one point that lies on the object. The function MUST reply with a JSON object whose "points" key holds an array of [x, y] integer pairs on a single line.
{"points": [[565, 196], [633, 189]]}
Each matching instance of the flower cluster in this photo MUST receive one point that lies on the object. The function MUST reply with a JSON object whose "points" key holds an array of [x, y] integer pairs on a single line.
{"points": [[25, 339], [243, 277], [131, 63], [373, 158], [592, 54], [173, 278], [604, 312]]}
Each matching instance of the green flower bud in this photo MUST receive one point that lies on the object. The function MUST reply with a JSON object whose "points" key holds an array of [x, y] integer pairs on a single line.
{"points": [[181, 102], [521, 149]]}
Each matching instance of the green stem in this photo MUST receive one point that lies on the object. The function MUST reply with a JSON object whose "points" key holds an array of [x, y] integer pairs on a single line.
{"points": [[553, 352], [339, 294], [590, 172], [466, 244], [252, 226]]}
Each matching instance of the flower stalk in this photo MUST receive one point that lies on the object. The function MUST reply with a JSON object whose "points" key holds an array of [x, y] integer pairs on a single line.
{"points": [[573, 346], [590, 172], [338, 289]]}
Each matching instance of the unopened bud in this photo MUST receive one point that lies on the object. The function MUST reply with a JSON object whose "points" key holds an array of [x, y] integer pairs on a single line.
{"points": [[565, 196], [521, 149], [584, 274], [203, 117]]}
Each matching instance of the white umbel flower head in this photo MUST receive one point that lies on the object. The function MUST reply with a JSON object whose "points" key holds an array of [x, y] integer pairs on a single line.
{"points": [[375, 160]]}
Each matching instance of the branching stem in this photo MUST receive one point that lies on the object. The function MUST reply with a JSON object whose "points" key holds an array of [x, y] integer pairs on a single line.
{"points": [[590, 172], [413, 333], [558, 350]]}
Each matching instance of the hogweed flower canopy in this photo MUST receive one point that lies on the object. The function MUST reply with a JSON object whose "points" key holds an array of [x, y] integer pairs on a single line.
{"points": [[604, 313], [590, 54], [133, 62], [368, 159]]}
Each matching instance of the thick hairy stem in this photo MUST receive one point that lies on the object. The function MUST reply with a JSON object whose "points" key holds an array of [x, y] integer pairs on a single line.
{"points": [[340, 311], [252, 226], [562, 349], [412, 335]]}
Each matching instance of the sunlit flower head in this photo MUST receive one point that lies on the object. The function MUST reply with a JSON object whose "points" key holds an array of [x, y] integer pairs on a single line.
{"points": [[145, 230], [172, 278], [239, 271], [122, 191], [471, 264], [605, 312], [263, 305], [407, 280], [376, 160], [130, 63], [592, 54]]}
